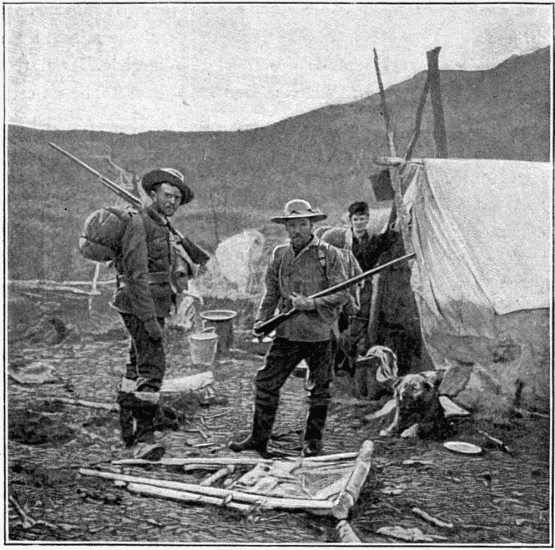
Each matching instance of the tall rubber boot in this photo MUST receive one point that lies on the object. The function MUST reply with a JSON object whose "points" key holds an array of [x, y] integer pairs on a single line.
{"points": [[315, 422], [126, 420], [145, 446], [262, 423]]}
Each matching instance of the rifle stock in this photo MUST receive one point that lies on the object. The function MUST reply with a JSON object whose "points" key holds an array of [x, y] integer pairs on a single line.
{"points": [[194, 252], [271, 324]]}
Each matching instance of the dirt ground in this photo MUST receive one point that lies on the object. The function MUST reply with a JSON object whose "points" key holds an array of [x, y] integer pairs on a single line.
{"points": [[492, 498]]}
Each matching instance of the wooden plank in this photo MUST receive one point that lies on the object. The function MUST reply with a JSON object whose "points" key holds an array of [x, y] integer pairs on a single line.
{"points": [[114, 407], [394, 161]]}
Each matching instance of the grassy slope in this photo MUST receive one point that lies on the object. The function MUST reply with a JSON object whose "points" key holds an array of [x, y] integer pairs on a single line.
{"points": [[324, 156]]}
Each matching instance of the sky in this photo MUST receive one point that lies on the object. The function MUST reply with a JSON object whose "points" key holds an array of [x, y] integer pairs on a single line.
{"points": [[191, 67]]}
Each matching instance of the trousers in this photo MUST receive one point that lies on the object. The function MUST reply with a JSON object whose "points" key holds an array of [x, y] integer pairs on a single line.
{"points": [[282, 358], [147, 359], [139, 394]]}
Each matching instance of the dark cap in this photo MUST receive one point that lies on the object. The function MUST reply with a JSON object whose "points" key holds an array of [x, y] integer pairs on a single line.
{"points": [[360, 208], [171, 176]]}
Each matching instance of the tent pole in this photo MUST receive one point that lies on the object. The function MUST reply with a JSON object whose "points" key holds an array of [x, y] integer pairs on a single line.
{"points": [[418, 121], [440, 134], [393, 170]]}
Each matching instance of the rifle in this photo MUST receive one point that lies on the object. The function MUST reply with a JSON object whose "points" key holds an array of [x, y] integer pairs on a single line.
{"points": [[269, 325], [186, 248]]}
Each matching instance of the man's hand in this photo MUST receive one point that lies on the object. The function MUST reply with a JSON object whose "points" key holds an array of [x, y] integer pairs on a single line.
{"points": [[153, 329], [302, 303], [257, 324]]}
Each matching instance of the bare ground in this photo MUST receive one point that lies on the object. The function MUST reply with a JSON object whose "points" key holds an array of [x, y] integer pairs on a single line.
{"points": [[492, 498]]}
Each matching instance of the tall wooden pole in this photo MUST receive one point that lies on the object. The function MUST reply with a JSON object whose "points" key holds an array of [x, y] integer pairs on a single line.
{"points": [[440, 134], [419, 112], [393, 171], [390, 131]]}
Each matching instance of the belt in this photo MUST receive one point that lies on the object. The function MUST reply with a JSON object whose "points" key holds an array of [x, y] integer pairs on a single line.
{"points": [[159, 277], [154, 278]]}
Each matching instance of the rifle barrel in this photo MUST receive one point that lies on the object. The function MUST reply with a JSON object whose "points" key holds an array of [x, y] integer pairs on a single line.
{"points": [[273, 322], [357, 278], [120, 191], [185, 245]]}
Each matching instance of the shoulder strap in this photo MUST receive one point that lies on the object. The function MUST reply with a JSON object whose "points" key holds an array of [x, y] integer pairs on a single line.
{"points": [[323, 248]]}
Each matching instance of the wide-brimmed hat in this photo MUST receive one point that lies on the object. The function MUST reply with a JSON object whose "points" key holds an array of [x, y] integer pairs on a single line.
{"points": [[171, 176], [299, 208]]}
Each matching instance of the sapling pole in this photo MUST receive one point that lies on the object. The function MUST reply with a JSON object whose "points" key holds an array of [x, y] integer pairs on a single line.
{"points": [[260, 500], [349, 495]]}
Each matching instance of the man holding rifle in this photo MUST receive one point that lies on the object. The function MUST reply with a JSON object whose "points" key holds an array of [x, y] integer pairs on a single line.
{"points": [[297, 270], [144, 297]]}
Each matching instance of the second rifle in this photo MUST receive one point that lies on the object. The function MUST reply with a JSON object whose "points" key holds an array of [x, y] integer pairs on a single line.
{"points": [[271, 324], [194, 252]]}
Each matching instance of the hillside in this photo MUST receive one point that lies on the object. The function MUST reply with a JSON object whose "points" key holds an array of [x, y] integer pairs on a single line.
{"points": [[324, 156]]}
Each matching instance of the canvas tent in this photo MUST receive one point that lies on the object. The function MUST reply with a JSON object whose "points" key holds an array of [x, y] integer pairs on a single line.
{"points": [[481, 230]]}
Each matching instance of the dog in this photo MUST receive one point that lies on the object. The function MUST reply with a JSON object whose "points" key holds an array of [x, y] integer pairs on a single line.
{"points": [[418, 410]]}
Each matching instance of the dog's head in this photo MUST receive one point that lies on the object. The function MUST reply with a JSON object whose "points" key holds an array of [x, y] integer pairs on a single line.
{"points": [[412, 386]]}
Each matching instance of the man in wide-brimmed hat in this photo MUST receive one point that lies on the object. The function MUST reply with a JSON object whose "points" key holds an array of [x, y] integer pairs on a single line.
{"points": [[144, 298], [297, 270]]}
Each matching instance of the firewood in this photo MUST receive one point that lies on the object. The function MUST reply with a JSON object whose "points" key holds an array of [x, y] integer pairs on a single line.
{"points": [[431, 519], [27, 522], [349, 495], [114, 407]]}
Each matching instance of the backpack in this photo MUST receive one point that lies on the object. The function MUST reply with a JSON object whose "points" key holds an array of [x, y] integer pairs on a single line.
{"points": [[102, 233]]}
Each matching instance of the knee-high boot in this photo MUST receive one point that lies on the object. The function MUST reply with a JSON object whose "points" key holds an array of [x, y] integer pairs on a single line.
{"points": [[126, 420], [263, 421], [315, 422]]}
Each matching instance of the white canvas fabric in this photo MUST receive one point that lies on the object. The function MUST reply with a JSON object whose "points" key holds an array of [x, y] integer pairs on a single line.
{"points": [[482, 233], [482, 229]]}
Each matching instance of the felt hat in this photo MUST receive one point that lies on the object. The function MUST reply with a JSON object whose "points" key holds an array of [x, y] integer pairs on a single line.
{"points": [[171, 176], [299, 208]]}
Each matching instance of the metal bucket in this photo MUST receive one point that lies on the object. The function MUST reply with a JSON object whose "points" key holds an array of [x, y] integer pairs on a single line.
{"points": [[222, 321], [202, 347]]}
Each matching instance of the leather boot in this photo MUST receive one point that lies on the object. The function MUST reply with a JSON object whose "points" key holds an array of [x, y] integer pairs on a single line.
{"points": [[145, 422], [315, 422], [262, 424], [126, 420], [145, 444]]}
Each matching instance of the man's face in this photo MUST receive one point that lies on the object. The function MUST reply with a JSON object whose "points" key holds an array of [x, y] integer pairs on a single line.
{"points": [[299, 231], [166, 199], [359, 223]]}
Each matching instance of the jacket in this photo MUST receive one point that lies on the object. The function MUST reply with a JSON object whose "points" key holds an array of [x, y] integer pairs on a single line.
{"points": [[305, 274], [144, 267]]}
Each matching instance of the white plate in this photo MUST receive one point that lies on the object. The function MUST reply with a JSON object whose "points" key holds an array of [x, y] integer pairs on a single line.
{"points": [[463, 447]]}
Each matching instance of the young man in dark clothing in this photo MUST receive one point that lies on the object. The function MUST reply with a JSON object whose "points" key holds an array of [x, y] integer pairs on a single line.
{"points": [[297, 270], [367, 250], [144, 297]]}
